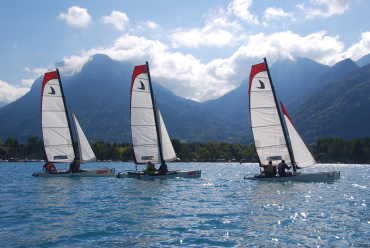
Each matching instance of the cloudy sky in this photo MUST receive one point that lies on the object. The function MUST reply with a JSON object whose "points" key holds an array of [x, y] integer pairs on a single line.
{"points": [[199, 49]]}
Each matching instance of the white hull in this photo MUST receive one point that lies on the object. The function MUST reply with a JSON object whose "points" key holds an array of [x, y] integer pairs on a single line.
{"points": [[170, 174], [86, 173], [317, 177]]}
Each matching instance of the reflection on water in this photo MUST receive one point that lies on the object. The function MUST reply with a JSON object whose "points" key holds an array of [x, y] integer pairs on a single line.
{"points": [[218, 210]]}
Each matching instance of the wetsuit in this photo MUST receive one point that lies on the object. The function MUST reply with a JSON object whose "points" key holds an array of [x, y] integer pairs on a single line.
{"points": [[281, 168]]}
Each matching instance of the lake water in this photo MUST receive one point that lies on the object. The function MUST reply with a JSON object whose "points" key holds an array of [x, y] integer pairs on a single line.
{"points": [[220, 209]]}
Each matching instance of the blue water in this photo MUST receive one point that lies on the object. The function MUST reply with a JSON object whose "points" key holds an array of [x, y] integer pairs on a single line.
{"points": [[221, 209]]}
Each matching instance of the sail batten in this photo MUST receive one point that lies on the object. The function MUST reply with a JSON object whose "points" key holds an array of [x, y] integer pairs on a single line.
{"points": [[150, 139], [58, 142]]}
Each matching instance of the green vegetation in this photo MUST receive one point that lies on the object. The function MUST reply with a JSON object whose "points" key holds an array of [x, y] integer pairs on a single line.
{"points": [[325, 150]]}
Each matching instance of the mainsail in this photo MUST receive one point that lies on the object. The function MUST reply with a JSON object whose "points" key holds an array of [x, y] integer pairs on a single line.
{"points": [[302, 155], [266, 121], [85, 151], [58, 141], [150, 138]]}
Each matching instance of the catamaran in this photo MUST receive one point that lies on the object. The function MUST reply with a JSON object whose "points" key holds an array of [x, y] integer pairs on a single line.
{"points": [[59, 145], [275, 136], [150, 139]]}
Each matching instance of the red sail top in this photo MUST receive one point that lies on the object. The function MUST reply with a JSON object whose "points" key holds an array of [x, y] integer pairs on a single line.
{"points": [[138, 70], [47, 77], [254, 70]]}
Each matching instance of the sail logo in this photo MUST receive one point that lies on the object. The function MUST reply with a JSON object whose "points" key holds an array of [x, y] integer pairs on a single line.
{"points": [[142, 86], [147, 157], [58, 157], [52, 92], [262, 85]]}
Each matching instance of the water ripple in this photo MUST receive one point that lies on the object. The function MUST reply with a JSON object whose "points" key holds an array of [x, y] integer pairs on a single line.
{"points": [[218, 210]]}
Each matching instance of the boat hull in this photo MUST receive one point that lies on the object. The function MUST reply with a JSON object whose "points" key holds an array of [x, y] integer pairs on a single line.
{"points": [[85, 173], [170, 174], [319, 177]]}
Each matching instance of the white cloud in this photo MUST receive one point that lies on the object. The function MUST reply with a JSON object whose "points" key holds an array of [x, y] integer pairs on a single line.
{"points": [[276, 13], [359, 49], [188, 77], [317, 46], [27, 82], [240, 8], [216, 32], [325, 8], [76, 17], [152, 25], [9, 93], [118, 19], [36, 71]]}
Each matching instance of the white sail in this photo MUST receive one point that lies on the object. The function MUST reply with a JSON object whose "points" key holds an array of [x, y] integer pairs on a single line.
{"points": [[55, 129], [86, 152], [266, 125], [302, 155], [167, 148], [143, 127]]}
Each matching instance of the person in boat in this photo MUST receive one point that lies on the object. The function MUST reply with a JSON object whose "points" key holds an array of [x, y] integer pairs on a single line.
{"points": [[269, 170], [150, 168], [50, 167], [282, 166], [163, 168]]}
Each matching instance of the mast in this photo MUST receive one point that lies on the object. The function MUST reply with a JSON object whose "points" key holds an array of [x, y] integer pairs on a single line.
{"points": [[287, 141], [66, 109], [155, 116]]}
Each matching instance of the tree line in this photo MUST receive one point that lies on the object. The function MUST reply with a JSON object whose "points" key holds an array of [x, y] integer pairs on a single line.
{"points": [[325, 150]]}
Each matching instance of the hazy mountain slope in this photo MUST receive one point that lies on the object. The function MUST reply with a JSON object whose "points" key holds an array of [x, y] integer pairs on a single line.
{"points": [[99, 95], [340, 109], [365, 60]]}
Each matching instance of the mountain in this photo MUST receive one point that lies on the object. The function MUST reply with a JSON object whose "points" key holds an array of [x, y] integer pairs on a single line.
{"points": [[293, 79], [316, 95], [365, 60], [339, 109], [99, 95]]}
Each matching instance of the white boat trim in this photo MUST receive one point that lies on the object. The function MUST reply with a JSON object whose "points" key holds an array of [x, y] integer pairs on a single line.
{"points": [[314, 177], [104, 172], [170, 174]]}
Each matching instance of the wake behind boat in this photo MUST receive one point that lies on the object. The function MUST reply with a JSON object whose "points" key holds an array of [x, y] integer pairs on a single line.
{"points": [[58, 139], [150, 139], [277, 142]]}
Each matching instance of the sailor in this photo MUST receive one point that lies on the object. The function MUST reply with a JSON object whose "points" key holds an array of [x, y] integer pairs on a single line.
{"points": [[269, 170], [50, 167], [150, 168], [281, 169], [163, 168]]}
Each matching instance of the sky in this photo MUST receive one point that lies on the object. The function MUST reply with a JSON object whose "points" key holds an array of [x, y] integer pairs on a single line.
{"points": [[198, 49]]}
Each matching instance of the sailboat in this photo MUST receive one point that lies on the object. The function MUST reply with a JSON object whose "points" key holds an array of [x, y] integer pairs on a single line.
{"points": [[275, 137], [58, 139], [150, 139]]}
